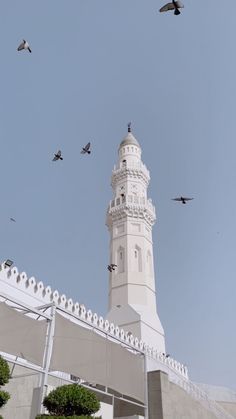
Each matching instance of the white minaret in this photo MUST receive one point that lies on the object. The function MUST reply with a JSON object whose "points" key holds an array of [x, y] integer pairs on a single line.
{"points": [[130, 217]]}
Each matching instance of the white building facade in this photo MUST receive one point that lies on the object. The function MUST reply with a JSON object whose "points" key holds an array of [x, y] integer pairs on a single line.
{"points": [[130, 218]]}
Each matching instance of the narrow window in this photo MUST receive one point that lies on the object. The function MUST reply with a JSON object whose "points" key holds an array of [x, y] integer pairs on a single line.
{"points": [[149, 263], [121, 260], [137, 262]]}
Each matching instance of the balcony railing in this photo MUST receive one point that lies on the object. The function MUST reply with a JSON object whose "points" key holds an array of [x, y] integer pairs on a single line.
{"points": [[133, 201]]}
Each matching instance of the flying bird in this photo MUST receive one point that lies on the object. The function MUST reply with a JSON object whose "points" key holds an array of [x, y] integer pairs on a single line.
{"points": [[174, 5], [86, 149], [57, 156], [24, 45], [12, 219], [182, 199], [111, 267]]}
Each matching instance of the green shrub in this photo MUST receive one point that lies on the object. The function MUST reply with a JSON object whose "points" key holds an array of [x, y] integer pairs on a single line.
{"points": [[4, 378], [71, 399], [4, 397], [4, 372]]}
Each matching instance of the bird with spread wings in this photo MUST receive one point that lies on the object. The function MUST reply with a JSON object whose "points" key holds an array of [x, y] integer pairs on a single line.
{"points": [[111, 267], [57, 156], [182, 199], [174, 5], [24, 45], [86, 149]]}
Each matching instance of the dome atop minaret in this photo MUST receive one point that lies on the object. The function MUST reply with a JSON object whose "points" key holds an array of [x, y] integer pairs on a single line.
{"points": [[129, 139]]}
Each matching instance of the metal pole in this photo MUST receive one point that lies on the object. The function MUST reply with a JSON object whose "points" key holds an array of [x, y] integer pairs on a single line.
{"points": [[146, 385], [47, 358]]}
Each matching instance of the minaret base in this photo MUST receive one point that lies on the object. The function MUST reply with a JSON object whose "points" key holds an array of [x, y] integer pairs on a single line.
{"points": [[144, 325]]}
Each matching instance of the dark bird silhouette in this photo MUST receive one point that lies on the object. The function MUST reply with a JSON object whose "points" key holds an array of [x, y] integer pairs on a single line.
{"points": [[57, 156], [174, 5], [24, 45], [86, 149], [182, 199], [13, 219], [111, 267], [8, 263]]}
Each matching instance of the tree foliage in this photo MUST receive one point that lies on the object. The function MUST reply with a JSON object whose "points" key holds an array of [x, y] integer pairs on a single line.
{"points": [[4, 372], [4, 378], [71, 399], [4, 397]]}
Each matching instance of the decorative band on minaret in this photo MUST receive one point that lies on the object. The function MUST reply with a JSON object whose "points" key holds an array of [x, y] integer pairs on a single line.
{"points": [[130, 218]]}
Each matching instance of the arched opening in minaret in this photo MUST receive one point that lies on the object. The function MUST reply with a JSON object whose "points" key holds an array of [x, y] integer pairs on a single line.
{"points": [[121, 260], [149, 263], [137, 264]]}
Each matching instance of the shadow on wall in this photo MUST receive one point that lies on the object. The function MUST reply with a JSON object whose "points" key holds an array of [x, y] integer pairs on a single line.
{"points": [[35, 403]]}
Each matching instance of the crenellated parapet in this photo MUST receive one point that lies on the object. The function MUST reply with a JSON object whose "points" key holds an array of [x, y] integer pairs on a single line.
{"points": [[40, 294]]}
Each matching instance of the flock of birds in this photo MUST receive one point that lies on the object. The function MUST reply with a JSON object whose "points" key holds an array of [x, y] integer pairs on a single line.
{"points": [[85, 150], [24, 46]]}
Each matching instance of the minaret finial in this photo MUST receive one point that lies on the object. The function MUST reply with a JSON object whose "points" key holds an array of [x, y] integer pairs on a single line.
{"points": [[129, 126]]}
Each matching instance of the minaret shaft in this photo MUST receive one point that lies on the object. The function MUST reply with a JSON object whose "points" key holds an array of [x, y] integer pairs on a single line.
{"points": [[131, 251], [130, 217]]}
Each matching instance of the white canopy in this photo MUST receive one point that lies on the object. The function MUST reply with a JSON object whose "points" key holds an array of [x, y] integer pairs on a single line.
{"points": [[94, 358], [21, 335], [76, 350]]}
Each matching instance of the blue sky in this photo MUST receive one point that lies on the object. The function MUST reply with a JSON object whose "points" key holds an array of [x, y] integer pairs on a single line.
{"points": [[95, 65]]}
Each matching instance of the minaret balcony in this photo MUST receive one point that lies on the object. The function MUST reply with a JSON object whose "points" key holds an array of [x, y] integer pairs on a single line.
{"points": [[132, 201]]}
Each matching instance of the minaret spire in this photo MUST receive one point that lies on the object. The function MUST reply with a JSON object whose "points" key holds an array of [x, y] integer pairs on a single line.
{"points": [[130, 218]]}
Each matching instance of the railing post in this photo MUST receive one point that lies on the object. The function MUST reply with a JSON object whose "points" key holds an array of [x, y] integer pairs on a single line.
{"points": [[146, 384]]}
